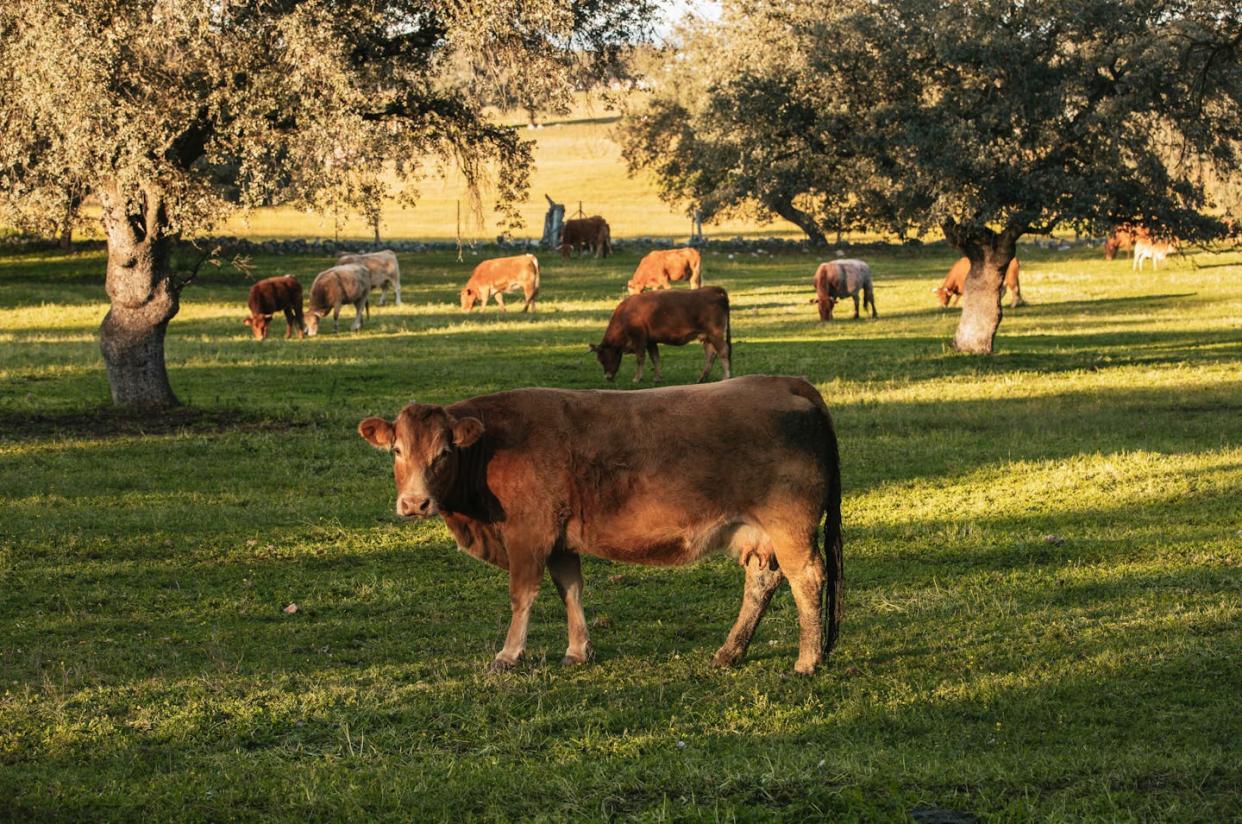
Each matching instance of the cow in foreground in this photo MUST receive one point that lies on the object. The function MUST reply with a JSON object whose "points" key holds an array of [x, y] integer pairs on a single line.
{"points": [[382, 269], [500, 275], [839, 279], [591, 233], [1153, 250], [641, 322], [272, 295], [333, 288], [954, 285], [531, 479], [658, 269]]}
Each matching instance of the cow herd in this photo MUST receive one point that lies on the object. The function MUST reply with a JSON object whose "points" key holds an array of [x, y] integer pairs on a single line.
{"points": [[529, 480]]}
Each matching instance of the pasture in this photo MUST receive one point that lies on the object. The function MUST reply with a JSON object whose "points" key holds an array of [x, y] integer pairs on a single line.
{"points": [[1043, 615]]}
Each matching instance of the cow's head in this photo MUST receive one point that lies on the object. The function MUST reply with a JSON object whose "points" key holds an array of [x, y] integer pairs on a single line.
{"points": [[609, 357], [426, 443], [632, 288], [258, 325], [468, 298], [312, 322], [943, 296]]}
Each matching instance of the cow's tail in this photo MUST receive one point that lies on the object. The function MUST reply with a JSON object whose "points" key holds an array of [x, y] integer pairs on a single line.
{"points": [[833, 538]]}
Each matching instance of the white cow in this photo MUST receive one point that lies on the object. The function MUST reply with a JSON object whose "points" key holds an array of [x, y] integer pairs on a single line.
{"points": [[1153, 250], [382, 268]]}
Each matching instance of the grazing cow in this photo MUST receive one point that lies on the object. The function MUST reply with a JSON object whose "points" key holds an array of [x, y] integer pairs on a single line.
{"points": [[500, 275], [641, 322], [839, 279], [954, 285], [532, 479], [272, 295], [586, 233], [658, 269], [382, 268], [1122, 239], [335, 287], [1153, 250]]}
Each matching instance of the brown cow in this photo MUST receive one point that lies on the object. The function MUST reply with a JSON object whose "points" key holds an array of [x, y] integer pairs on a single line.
{"points": [[499, 275], [587, 232], [657, 269], [531, 479], [839, 279], [1122, 239], [272, 295], [954, 285], [641, 322], [335, 287]]}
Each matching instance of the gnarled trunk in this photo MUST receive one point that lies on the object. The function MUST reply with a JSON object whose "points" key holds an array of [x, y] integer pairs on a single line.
{"points": [[990, 254], [803, 220], [144, 299]]}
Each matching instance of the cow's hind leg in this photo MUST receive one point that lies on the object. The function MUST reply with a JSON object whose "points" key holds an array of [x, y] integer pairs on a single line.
{"points": [[288, 322], [761, 584], [523, 588], [709, 359], [566, 570], [855, 306], [800, 560]]}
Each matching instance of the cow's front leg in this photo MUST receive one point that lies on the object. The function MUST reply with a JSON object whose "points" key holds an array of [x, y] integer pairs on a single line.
{"points": [[500, 301], [640, 355], [357, 324], [523, 588], [653, 349], [336, 318], [761, 583], [566, 570]]}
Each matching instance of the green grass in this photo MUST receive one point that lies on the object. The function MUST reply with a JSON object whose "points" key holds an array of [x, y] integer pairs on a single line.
{"points": [[1042, 559]]}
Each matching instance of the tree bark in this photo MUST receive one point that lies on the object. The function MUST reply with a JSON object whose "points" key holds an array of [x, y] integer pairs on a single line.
{"points": [[989, 253], [802, 220], [144, 299]]}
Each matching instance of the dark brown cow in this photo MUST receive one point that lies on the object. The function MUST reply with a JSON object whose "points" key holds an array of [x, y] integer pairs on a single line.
{"points": [[531, 479], [641, 322], [954, 284], [500, 275], [1122, 239], [272, 295], [658, 269], [591, 233]]}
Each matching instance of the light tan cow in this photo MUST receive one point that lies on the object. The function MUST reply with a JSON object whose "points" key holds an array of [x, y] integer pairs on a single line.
{"points": [[1153, 250], [532, 479], [658, 269], [382, 269], [335, 287], [500, 275]]}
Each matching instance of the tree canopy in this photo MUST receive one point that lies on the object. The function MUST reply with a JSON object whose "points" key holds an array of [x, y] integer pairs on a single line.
{"points": [[175, 112], [984, 119]]}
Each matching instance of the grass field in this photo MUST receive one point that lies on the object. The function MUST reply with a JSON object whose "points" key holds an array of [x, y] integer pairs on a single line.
{"points": [[1042, 561]]}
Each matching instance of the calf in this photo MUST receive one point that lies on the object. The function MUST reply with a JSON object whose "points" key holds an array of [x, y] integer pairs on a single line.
{"points": [[382, 270], [499, 275], [640, 322], [1122, 239], [1153, 250], [658, 269], [839, 279], [335, 287], [954, 285], [531, 479], [272, 295]]}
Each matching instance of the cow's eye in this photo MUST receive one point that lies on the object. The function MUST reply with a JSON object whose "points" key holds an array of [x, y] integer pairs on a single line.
{"points": [[396, 450]]}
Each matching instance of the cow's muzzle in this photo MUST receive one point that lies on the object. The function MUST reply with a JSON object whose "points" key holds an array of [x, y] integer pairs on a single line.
{"points": [[409, 506]]}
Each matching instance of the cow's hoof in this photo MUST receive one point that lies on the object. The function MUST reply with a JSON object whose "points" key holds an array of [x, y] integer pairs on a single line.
{"points": [[574, 660], [501, 664], [725, 657], [805, 667]]}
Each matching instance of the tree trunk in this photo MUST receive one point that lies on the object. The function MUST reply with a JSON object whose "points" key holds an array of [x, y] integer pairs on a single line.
{"points": [[989, 255], [802, 220], [144, 299]]}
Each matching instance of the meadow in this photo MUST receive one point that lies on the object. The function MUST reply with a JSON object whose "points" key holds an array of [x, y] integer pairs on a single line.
{"points": [[1042, 550]]}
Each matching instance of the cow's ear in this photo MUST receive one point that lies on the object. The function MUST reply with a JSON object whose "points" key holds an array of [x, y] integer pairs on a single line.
{"points": [[466, 431], [377, 432], [592, 347]]}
